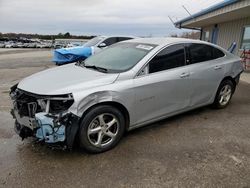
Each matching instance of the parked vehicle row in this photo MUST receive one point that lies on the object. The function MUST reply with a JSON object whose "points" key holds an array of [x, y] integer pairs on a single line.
{"points": [[41, 44], [12, 44]]}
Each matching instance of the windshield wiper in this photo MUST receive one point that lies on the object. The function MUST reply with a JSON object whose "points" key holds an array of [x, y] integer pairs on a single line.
{"points": [[79, 63], [96, 68]]}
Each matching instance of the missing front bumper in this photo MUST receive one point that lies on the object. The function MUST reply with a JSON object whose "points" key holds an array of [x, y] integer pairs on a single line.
{"points": [[52, 130], [48, 129]]}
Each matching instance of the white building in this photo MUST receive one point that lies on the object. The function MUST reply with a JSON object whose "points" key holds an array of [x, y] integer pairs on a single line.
{"points": [[223, 24]]}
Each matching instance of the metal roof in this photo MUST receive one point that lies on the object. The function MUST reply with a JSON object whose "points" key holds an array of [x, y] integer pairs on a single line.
{"points": [[207, 10]]}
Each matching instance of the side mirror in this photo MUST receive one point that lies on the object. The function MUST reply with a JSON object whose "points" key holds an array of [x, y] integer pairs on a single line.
{"points": [[102, 45], [144, 71]]}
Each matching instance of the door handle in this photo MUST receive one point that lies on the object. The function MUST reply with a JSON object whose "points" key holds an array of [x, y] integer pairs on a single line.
{"points": [[184, 75], [217, 67]]}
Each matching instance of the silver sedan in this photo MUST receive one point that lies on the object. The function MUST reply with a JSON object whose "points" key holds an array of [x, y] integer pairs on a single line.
{"points": [[125, 86]]}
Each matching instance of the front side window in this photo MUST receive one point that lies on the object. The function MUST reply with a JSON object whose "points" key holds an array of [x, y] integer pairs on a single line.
{"points": [[246, 38], [93, 42], [110, 41], [170, 57], [123, 38], [119, 57]]}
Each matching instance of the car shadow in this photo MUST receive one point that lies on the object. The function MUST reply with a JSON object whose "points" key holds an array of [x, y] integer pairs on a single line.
{"points": [[43, 149], [170, 121]]}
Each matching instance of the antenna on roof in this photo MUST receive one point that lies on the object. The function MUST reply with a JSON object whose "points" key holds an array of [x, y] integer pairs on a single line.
{"points": [[176, 19], [186, 10], [171, 20]]}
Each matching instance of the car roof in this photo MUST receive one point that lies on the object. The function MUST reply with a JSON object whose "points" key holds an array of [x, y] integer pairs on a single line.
{"points": [[165, 40], [109, 36]]}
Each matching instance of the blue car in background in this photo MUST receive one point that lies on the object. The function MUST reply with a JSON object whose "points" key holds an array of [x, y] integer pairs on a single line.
{"points": [[80, 53]]}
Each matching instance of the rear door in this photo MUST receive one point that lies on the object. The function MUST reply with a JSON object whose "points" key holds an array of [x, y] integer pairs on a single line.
{"points": [[163, 86], [206, 72]]}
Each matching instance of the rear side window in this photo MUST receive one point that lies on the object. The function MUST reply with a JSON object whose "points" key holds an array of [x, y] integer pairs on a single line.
{"points": [[168, 58], [202, 52], [217, 53], [199, 53]]}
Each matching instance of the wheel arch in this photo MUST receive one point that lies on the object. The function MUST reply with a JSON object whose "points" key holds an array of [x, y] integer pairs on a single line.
{"points": [[115, 104], [231, 79], [225, 78]]}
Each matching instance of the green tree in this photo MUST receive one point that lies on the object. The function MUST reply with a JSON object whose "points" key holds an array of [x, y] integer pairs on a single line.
{"points": [[67, 35], [59, 35]]}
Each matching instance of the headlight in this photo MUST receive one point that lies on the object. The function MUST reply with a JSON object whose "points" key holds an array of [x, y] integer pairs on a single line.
{"points": [[28, 104], [57, 106], [13, 91]]}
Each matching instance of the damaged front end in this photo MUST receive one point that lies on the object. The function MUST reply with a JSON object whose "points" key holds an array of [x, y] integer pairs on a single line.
{"points": [[45, 117]]}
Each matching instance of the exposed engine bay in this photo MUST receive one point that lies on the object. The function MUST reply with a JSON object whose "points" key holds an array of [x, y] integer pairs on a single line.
{"points": [[45, 117]]}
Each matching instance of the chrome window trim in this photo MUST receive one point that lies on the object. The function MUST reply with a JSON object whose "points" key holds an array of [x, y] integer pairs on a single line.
{"points": [[171, 44]]}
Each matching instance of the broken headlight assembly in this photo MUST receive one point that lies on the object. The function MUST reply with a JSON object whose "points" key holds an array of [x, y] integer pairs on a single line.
{"points": [[56, 104]]}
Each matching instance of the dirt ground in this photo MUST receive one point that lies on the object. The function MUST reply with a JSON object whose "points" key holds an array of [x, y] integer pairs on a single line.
{"points": [[201, 148]]}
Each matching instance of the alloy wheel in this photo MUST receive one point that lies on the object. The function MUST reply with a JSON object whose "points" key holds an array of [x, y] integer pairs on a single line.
{"points": [[225, 95], [103, 130]]}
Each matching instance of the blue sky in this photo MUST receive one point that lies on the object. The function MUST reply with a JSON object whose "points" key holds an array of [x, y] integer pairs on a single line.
{"points": [[96, 17]]}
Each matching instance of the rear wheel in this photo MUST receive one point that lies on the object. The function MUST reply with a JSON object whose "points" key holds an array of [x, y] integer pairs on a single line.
{"points": [[224, 94], [101, 129]]}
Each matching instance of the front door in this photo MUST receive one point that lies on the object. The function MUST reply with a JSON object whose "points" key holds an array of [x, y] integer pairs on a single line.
{"points": [[164, 89]]}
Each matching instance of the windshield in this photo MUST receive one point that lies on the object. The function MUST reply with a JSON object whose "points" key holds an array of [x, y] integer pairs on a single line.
{"points": [[119, 57], [93, 41]]}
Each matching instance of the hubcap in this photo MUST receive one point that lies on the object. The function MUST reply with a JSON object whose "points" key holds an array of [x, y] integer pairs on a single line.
{"points": [[225, 95], [103, 130]]}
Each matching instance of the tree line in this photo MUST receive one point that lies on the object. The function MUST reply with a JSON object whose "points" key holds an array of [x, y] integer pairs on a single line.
{"points": [[189, 35]]}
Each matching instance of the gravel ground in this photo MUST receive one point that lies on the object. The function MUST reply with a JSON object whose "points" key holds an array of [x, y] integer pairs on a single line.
{"points": [[201, 148]]}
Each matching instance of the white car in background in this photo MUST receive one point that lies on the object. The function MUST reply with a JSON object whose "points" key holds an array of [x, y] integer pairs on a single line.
{"points": [[9, 45], [2, 45], [105, 41], [80, 53], [19, 45], [43, 45]]}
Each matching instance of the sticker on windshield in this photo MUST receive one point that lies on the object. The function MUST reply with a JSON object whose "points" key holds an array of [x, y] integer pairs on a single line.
{"points": [[144, 47]]}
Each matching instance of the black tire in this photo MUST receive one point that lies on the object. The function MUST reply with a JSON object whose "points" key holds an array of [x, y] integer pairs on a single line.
{"points": [[217, 101], [86, 143]]}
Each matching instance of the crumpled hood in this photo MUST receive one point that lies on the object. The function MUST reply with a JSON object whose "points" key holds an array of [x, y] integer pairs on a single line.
{"points": [[65, 79]]}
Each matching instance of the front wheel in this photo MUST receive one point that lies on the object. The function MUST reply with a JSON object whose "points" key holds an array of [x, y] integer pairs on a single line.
{"points": [[101, 129], [224, 94]]}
